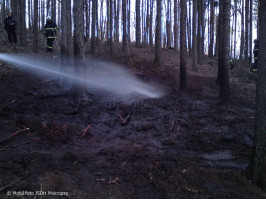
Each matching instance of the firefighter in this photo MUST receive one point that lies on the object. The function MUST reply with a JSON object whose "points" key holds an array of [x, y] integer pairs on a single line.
{"points": [[10, 27], [256, 54], [50, 30]]}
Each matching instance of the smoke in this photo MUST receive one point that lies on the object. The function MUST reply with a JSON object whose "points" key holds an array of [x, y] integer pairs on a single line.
{"points": [[99, 77]]}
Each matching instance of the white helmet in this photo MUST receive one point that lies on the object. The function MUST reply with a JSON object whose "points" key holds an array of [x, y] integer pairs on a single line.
{"points": [[48, 18]]}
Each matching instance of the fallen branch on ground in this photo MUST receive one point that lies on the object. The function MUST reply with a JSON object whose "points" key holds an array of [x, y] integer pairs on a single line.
{"points": [[15, 133], [15, 182]]}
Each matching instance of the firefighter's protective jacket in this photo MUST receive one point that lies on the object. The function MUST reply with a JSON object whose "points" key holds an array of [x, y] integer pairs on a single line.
{"points": [[10, 23], [50, 29]]}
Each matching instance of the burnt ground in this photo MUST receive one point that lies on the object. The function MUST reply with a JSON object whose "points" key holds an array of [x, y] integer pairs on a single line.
{"points": [[178, 146]]}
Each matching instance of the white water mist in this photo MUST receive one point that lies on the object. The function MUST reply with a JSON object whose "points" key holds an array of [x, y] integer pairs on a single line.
{"points": [[100, 76]]}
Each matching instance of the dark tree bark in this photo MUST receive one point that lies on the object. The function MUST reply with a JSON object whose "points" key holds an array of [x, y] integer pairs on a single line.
{"points": [[225, 65], [211, 29], [199, 32], [175, 26], [111, 27], [246, 28], [63, 34], [168, 24], [258, 163], [189, 28], [183, 64], [128, 20], [219, 41], [235, 5], [158, 35], [242, 39], [53, 10], [78, 46], [3, 10], [69, 27], [35, 27], [22, 6], [194, 35], [250, 31], [151, 24], [138, 33], [117, 21], [124, 13], [93, 24]]}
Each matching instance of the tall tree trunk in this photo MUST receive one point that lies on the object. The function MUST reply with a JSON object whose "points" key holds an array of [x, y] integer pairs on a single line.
{"points": [[247, 29], [258, 163], [151, 24], [69, 27], [63, 35], [93, 23], [235, 5], [111, 27], [199, 32], [242, 38], [250, 31], [138, 33], [35, 27], [183, 63], [124, 13], [203, 9], [225, 65], [79, 45], [128, 20], [158, 35], [175, 26], [54, 10], [189, 29], [219, 42], [168, 24], [194, 34], [117, 21], [3, 10], [22, 6], [211, 29]]}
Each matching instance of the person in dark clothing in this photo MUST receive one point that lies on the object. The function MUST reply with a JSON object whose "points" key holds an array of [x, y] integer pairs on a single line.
{"points": [[10, 27], [50, 30], [256, 54]]}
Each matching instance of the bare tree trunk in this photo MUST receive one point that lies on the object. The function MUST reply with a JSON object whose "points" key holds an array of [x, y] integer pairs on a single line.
{"points": [[151, 24], [183, 64], [225, 65], [199, 32], [258, 163], [211, 29], [63, 35], [54, 10], [69, 27], [242, 40], [111, 27], [158, 36], [219, 42], [235, 5], [124, 13], [189, 29], [138, 33], [128, 21], [22, 6], [175, 26], [79, 45], [194, 35], [250, 32], [247, 28], [35, 27], [93, 27]]}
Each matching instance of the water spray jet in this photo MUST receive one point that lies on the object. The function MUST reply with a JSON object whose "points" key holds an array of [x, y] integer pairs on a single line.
{"points": [[99, 76]]}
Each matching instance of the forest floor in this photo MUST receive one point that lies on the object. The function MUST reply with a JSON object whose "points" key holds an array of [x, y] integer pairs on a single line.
{"points": [[178, 146]]}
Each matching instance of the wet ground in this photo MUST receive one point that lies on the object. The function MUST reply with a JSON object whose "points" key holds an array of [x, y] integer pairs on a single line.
{"points": [[178, 146]]}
